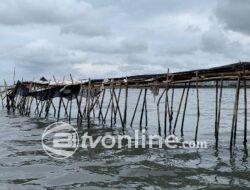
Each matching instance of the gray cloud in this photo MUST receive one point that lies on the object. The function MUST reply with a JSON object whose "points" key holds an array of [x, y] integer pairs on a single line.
{"points": [[113, 46], [144, 9], [215, 41], [36, 52], [87, 29], [16, 12], [96, 38], [41, 57], [183, 49], [234, 15]]}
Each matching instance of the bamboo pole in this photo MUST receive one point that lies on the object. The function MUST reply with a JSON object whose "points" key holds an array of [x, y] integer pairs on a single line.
{"points": [[23, 106], [30, 105], [59, 108], [184, 110], [142, 112], [7, 98], [70, 110], [179, 108], [236, 116], [171, 113], [1, 97], [198, 107], [245, 113], [166, 107], [126, 103], [53, 107], [41, 111], [146, 108], [100, 108], [118, 108], [106, 113], [28, 98], [216, 110], [95, 100], [166, 112], [79, 112], [47, 107], [79, 101], [100, 111], [31, 101], [65, 108], [92, 108], [89, 102], [158, 112], [136, 106], [234, 120], [86, 103], [219, 111], [37, 106], [119, 95], [112, 104]]}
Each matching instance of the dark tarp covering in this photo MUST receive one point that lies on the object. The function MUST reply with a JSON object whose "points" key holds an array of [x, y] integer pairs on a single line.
{"points": [[69, 91]]}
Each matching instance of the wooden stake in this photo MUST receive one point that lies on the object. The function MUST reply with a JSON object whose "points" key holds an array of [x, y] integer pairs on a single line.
{"points": [[179, 108], [100, 111], [65, 108], [53, 107], [106, 113], [118, 108], [171, 113], [85, 110], [219, 111], [47, 107], [1, 97], [119, 95], [184, 110], [136, 106], [37, 106], [112, 104], [198, 107], [79, 102], [234, 122], [166, 108], [43, 103], [158, 112], [100, 108], [59, 109], [126, 104], [142, 112], [92, 108], [89, 103], [245, 113], [236, 116], [216, 110], [70, 108], [146, 109]]}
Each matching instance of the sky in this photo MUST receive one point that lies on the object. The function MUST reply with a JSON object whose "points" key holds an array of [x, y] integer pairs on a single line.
{"points": [[110, 38]]}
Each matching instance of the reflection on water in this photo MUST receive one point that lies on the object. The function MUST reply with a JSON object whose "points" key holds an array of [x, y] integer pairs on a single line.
{"points": [[24, 164]]}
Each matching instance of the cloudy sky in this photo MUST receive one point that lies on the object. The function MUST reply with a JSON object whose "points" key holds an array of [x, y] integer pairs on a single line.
{"points": [[106, 38]]}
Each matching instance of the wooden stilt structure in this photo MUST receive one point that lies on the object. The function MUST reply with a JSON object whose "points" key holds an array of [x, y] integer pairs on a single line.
{"points": [[92, 100]]}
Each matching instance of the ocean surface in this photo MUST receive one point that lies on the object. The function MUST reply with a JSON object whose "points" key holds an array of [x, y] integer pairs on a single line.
{"points": [[25, 165]]}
